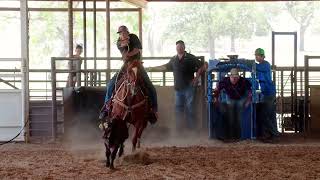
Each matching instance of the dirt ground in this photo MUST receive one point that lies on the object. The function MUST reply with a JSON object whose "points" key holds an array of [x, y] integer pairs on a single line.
{"points": [[176, 158]]}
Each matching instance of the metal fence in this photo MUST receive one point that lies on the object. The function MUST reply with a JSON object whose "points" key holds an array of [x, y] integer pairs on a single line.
{"points": [[40, 83]]}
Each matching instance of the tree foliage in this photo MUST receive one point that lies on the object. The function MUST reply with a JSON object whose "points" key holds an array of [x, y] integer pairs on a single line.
{"points": [[303, 14], [203, 23]]}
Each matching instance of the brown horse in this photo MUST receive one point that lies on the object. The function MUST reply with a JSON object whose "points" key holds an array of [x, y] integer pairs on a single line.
{"points": [[129, 104]]}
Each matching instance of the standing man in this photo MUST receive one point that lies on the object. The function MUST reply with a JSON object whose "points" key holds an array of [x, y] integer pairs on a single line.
{"points": [[268, 90], [183, 66], [238, 90], [130, 47], [74, 65]]}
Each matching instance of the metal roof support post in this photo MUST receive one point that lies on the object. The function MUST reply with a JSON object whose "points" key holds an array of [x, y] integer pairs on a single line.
{"points": [[108, 38], [70, 27], [273, 53], [140, 25], [85, 41], [54, 97], [95, 40], [295, 89], [210, 103], [301, 83], [306, 95], [25, 64], [282, 101]]}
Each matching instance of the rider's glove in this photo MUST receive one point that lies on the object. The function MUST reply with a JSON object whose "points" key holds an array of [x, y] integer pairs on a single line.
{"points": [[101, 126]]}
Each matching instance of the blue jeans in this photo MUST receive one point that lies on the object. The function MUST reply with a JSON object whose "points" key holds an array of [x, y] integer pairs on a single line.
{"points": [[232, 111], [152, 93], [269, 126], [110, 88], [184, 103]]}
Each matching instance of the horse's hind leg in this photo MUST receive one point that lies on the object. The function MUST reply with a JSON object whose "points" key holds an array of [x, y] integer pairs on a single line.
{"points": [[121, 149], [108, 153]]}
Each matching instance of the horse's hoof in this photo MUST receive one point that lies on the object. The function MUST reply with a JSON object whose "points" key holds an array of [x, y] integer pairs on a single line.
{"points": [[111, 167], [107, 164]]}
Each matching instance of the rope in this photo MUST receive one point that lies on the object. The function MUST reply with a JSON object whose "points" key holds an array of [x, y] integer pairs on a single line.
{"points": [[117, 91]]}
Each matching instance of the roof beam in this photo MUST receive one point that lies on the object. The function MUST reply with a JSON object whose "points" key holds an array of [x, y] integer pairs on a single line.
{"points": [[214, 0]]}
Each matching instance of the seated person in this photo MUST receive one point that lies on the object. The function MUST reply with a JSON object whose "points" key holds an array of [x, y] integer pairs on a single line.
{"points": [[238, 90], [130, 47]]}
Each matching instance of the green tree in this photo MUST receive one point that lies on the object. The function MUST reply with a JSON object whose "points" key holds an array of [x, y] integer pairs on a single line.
{"points": [[315, 28], [241, 21], [303, 14], [209, 21], [46, 37], [195, 21]]}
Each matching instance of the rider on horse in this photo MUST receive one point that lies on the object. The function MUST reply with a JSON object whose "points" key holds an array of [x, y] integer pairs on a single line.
{"points": [[130, 47]]}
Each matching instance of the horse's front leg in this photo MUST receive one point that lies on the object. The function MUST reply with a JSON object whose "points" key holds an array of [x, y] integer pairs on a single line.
{"points": [[140, 130], [108, 153], [134, 139]]}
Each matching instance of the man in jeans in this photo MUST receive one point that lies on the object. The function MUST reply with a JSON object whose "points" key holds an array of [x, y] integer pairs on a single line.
{"points": [[268, 90], [238, 91], [184, 65]]}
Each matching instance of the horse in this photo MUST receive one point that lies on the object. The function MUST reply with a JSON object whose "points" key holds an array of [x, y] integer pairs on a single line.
{"points": [[130, 101], [129, 104]]}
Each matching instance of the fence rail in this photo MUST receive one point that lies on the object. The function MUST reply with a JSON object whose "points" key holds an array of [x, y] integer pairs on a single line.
{"points": [[40, 80]]}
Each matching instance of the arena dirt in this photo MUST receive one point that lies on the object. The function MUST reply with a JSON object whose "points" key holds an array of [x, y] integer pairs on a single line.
{"points": [[187, 157]]}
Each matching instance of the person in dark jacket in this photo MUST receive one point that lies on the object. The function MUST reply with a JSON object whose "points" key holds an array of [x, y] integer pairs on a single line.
{"points": [[238, 91]]}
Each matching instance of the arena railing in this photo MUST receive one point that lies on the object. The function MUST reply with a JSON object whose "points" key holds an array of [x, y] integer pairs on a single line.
{"points": [[40, 81]]}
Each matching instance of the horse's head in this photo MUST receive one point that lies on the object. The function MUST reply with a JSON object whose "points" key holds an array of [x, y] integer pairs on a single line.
{"points": [[132, 71]]}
